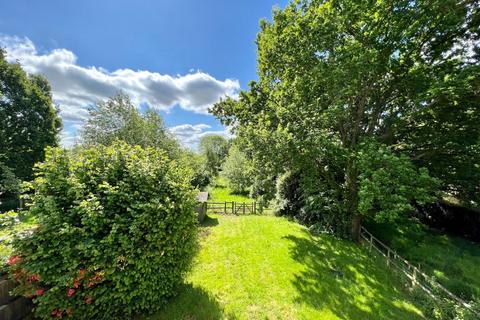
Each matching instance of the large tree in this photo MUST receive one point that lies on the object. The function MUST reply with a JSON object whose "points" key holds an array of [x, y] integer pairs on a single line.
{"points": [[28, 119], [338, 80], [119, 119]]}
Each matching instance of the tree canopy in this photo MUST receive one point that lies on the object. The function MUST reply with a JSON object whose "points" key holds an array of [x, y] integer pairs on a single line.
{"points": [[29, 121], [214, 148], [237, 168], [118, 119], [339, 81]]}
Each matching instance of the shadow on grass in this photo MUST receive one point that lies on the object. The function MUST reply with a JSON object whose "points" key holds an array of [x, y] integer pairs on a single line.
{"points": [[191, 303], [339, 277], [209, 222]]}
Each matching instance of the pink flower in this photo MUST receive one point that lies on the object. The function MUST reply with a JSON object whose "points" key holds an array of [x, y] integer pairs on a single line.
{"points": [[57, 313], [34, 278], [39, 292], [13, 260], [70, 292]]}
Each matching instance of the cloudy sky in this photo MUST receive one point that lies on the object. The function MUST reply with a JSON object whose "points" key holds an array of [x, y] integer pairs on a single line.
{"points": [[178, 57]]}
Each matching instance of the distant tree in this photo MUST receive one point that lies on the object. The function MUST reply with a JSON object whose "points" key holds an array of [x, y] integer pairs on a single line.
{"points": [[197, 163], [338, 79], [119, 119], [29, 121], [214, 148], [237, 168]]}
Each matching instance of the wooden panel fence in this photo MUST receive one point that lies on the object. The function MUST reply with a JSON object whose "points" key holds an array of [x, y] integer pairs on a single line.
{"points": [[413, 273], [236, 208]]}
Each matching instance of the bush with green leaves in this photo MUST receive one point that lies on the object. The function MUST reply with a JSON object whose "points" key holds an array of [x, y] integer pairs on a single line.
{"points": [[116, 233]]}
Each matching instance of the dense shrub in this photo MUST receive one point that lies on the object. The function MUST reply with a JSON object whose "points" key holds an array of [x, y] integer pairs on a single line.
{"points": [[288, 195], [116, 233]]}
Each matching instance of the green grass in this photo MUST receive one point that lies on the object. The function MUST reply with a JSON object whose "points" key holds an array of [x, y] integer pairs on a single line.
{"points": [[263, 267], [220, 192], [455, 262]]}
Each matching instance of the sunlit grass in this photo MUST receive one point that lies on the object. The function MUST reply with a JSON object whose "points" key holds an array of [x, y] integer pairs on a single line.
{"points": [[259, 267], [220, 192]]}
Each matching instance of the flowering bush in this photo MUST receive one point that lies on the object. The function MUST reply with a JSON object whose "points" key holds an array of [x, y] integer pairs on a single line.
{"points": [[116, 233]]}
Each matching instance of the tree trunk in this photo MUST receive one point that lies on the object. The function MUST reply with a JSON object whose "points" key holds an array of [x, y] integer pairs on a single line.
{"points": [[352, 199], [356, 225]]}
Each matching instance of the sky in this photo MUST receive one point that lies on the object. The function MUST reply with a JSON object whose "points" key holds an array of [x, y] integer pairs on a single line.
{"points": [[176, 56]]}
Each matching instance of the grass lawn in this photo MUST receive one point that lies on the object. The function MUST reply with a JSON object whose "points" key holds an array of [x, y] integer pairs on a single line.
{"points": [[454, 261], [220, 192], [264, 267]]}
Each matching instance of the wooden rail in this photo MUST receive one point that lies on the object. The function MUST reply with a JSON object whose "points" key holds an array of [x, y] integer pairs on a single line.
{"points": [[236, 208], [416, 276]]}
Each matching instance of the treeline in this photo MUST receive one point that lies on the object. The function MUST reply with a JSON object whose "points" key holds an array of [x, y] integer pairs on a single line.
{"points": [[363, 109], [30, 122]]}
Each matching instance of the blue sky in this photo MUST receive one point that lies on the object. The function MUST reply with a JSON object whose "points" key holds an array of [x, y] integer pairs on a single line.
{"points": [[177, 56]]}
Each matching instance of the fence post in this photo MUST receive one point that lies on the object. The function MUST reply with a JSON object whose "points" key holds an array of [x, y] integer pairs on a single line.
{"points": [[244, 208], [233, 207], [388, 257], [225, 207], [371, 242], [254, 207], [414, 276]]}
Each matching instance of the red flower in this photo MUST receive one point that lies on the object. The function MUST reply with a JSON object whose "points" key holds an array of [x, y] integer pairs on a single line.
{"points": [[70, 292], [13, 260], [39, 292], [34, 278], [57, 313], [88, 299], [76, 283]]}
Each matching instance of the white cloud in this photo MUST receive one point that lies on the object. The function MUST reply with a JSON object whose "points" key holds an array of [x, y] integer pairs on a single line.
{"points": [[76, 87], [190, 135]]}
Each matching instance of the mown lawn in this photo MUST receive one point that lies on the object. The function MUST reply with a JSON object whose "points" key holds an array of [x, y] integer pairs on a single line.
{"points": [[455, 262], [220, 192], [264, 267]]}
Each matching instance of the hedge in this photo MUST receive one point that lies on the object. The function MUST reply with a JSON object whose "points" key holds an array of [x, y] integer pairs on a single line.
{"points": [[116, 233]]}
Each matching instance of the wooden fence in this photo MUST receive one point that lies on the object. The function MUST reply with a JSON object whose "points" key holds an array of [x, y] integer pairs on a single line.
{"points": [[236, 208], [413, 273]]}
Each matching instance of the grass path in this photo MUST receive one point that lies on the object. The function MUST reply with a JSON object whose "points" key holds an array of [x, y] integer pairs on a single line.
{"points": [[259, 267]]}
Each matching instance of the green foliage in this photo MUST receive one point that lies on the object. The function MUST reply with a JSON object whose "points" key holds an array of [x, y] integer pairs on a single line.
{"points": [[237, 169], [388, 183], [9, 188], [442, 308], [334, 74], [118, 119], [445, 137], [214, 148], [197, 163], [28, 120], [116, 232], [288, 198]]}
